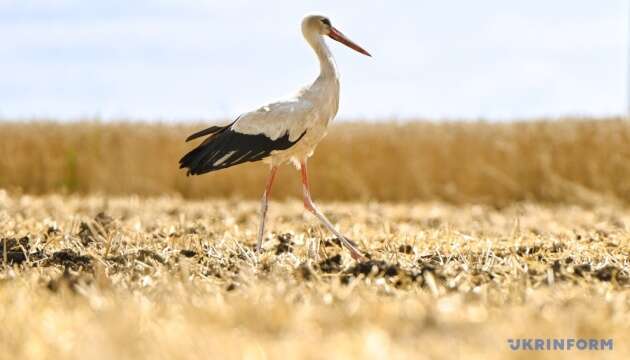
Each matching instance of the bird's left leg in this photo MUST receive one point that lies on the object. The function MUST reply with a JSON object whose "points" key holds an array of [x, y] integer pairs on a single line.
{"points": [[310, 206], [263, 207]]}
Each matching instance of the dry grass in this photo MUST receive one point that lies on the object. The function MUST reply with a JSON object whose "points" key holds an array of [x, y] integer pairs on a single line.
{"points": [[580, 161], [504, 231], [164, 278]]}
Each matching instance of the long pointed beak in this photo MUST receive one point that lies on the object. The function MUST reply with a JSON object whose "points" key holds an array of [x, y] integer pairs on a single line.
{"points": [[339, 36]]}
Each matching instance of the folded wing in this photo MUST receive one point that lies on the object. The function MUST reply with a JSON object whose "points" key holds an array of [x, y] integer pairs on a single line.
{"points": [[252, 137]]}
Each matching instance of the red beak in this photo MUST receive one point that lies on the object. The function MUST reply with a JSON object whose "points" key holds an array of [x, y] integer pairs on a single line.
{"points": [[339, 36]]}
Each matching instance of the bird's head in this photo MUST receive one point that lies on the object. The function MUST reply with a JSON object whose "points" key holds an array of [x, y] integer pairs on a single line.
{"points": [[321, 25]]}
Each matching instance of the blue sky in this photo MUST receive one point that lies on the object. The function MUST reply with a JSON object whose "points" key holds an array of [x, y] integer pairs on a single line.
{"points": [[196, 59]]}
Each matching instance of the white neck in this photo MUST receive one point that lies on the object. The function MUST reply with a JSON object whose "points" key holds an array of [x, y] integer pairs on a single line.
{"points": [[327, 65]]}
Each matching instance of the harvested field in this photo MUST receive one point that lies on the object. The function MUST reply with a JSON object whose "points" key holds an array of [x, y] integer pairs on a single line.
{"points": [[129, 277]]}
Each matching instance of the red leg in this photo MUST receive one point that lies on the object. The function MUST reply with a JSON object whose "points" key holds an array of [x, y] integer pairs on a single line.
{"points": [[310, 206], [263, 207]]}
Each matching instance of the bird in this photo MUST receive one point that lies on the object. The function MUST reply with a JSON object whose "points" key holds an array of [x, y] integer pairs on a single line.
{"points": [[284, 131]]}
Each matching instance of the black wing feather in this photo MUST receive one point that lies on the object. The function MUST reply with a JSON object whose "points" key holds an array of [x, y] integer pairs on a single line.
{"points": [[227, 148], [209, 131], [204, 132]]}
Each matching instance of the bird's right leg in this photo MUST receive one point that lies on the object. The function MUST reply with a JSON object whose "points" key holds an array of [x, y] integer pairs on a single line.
{"points": [[263, 207], [310, 206]]}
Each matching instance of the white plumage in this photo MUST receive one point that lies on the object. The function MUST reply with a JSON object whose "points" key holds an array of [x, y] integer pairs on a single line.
{"points": [[282, 131]]}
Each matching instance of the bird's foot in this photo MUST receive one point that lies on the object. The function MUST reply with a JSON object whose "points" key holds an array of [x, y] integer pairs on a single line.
{"points": [[357, 256], [354, 252]]}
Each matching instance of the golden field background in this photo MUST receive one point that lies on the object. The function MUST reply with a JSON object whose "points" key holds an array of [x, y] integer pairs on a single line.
{"points": [[576, 160]]}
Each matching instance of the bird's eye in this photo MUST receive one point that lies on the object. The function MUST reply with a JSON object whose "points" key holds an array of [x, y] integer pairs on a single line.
{"points": [[327, 22]]}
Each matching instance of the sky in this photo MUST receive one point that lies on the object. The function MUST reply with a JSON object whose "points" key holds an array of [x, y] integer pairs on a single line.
{"points": [[184, 60]]}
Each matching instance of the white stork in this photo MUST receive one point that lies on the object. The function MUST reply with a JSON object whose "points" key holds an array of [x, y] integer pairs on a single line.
{"points": [[283, 131]]}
